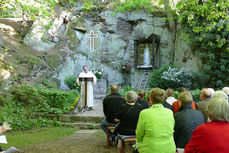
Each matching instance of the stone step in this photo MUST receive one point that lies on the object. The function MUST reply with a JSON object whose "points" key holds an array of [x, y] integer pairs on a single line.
{"points": [[82, 125], [73, 118]]}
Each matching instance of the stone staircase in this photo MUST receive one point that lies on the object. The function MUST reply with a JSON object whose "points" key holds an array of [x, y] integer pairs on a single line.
{"points": [[143, 83]]}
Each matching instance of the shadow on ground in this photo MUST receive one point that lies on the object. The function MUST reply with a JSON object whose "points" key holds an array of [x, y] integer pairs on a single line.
{"points": [[83, 141]]}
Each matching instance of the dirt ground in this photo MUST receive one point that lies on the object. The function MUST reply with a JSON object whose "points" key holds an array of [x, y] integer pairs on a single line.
{"points": [[83, 141]]}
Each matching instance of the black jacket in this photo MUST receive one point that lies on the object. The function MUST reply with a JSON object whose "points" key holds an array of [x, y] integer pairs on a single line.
{"points": [[129, 118], [111, 106], [186, 121], [143, 103]]}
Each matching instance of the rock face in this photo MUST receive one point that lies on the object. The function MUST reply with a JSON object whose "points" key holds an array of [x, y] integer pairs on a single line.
{"points": [[113, 40]]}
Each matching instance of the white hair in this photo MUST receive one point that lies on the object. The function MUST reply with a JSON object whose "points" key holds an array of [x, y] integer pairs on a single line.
{"points": [[226, 90], [212, 91], [218, 109], [131, 96], [220, 94]]}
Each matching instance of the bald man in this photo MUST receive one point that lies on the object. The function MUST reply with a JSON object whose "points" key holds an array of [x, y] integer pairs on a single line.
{"points": [[111, 105], [205, 96]]}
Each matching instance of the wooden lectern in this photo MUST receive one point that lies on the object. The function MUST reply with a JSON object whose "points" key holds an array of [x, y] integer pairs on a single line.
{"points": [[85, 88]]}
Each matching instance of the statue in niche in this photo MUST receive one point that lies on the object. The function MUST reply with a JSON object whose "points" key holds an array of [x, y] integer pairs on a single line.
{"points": [[147, 59], [145, 56]]}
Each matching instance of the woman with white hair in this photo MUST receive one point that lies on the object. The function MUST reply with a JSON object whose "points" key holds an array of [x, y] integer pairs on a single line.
{"points": [[212, 137], [128, 115]]}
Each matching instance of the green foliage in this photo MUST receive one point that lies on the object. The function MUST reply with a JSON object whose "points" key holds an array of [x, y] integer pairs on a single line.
{"points": [[36, 136], [23, 118], [196, 95], [172, 77], [135, 5], [49, 85], [206, 25], [42, 99], [125, 89], [89, 6], [71, 82], [32, 8], [59, 101], [155, 78], [23, 102]]}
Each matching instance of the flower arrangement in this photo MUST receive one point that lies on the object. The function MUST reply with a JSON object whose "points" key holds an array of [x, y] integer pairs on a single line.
{"points": [[98, 74], [126, 68]]}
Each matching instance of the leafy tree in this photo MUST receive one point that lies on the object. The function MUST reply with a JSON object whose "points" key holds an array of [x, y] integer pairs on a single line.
{"points": [[28, 9], [206, 24]]}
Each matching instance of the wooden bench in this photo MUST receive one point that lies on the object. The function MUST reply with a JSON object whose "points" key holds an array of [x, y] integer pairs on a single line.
{"points": [[109, 128], [128, 140]]}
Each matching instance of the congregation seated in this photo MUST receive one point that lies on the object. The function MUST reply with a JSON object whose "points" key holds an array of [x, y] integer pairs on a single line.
{"points": [[154, 133], [169, 94], [186, 120], [212, 137], [177, 104], [111, 106], [128, 115], [141, 99], [205, 96]]}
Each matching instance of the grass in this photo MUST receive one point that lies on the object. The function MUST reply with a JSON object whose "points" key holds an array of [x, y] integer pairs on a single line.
{"points": [[25, 138]]}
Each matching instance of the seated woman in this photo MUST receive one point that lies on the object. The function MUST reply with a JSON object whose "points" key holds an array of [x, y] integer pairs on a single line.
{"points": [[154, 131], [141, 99], [186, 120], [128, 115], [212, 137]]}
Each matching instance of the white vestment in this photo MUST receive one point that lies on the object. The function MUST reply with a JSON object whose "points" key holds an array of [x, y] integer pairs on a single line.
{"points": [[90, 97]]}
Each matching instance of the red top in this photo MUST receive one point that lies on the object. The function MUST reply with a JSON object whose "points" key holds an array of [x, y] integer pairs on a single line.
{"points": [[212, 137], [176, 106]]}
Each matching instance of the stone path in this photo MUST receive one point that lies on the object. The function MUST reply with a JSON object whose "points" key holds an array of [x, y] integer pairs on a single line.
{"points": [[98, 107], [83, 141]]}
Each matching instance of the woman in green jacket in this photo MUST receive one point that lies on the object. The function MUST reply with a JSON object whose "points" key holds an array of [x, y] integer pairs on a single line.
{"points": [[156, 126]]}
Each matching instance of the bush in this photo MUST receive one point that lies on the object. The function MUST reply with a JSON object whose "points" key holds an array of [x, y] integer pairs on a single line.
{"points": [[25, 101], [71, 82], [172, 77], [22, 118], [59, 101], [155, 78], [42, 99]]}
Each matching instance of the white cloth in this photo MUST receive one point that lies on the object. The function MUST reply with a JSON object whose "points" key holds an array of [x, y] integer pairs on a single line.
{"points": [[170, 100], [90, 98]]}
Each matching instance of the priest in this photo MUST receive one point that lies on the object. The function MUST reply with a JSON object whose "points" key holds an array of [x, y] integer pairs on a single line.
{"points": [[86, 94]]}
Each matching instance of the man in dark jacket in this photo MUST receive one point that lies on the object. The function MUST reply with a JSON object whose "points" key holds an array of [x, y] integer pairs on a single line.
{"points": [[186, 120], [111, 106]]}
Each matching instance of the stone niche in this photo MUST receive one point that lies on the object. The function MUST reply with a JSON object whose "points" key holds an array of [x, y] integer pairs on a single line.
{"points": [[147, 53]]}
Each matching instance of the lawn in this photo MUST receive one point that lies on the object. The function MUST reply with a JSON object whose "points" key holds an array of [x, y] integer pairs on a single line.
{"points": [[25, 138]]}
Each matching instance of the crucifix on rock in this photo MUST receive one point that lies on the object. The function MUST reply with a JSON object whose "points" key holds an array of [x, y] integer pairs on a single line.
{"points": [[92, 37]]}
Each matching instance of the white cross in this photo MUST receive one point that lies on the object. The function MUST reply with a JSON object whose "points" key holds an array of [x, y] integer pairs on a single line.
{"points": [[92, 37]]}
